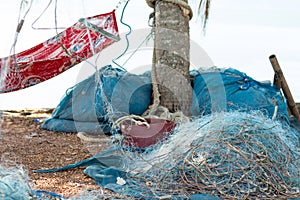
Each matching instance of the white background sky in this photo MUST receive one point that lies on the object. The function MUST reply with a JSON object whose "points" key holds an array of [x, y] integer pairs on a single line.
{"points": [[239, 34]]}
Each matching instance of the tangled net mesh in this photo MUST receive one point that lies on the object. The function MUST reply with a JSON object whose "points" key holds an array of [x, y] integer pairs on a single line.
{"points": [[97, 195], [230, 155], [14, 181]]}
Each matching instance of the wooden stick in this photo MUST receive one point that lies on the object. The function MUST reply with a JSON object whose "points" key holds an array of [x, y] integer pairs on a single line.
{"points": [[281, 83]]}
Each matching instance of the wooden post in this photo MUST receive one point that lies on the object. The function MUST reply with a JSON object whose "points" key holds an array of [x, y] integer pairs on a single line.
{"points": [[281, 83]]}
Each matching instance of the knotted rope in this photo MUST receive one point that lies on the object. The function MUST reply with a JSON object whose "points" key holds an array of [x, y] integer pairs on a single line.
{"points": [[186, 9]]}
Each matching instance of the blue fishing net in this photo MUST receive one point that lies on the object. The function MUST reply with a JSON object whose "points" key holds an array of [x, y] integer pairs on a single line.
{"points": [[14, 184], [224, 154]]}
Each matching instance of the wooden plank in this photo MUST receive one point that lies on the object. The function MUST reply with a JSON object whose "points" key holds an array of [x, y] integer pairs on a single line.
{"points": [[281, 82]]}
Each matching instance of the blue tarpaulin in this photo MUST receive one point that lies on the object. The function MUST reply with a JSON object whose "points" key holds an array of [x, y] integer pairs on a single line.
{"points": [[230, 89], [87, 105], [84, 107]]}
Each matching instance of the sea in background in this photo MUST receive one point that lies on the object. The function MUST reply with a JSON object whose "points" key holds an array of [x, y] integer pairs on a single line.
{"points": [[240, 35]]}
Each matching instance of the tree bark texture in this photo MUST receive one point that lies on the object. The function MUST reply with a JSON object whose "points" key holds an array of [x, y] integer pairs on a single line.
{"points": [[171, 57]]}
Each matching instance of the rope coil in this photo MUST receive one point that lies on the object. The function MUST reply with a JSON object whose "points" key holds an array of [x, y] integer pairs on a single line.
{"points": [[186, 9]]}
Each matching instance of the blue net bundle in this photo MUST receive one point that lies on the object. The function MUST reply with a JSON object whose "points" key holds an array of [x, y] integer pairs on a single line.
{"points": [[14, 184], [97, 195], [231, 155]]}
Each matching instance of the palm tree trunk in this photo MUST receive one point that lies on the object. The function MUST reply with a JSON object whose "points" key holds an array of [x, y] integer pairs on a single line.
{"points": [[171, 57]]}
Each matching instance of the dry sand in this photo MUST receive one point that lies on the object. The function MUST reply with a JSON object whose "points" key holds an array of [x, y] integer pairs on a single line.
{"points": [[25, 143]]}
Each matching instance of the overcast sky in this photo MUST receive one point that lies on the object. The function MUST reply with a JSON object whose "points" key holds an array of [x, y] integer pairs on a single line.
{"points": [[239, 34]]}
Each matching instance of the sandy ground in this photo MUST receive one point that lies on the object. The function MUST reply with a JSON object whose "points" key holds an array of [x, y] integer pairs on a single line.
{"points": [[25, 143]]}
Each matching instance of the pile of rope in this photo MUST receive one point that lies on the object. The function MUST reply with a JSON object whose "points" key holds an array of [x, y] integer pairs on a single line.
{"points": [[231, 155]]}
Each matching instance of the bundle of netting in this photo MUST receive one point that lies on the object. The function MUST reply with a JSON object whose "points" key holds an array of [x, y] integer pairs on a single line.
{"points": [[229, 155], [14, 183], [97, 195]]}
